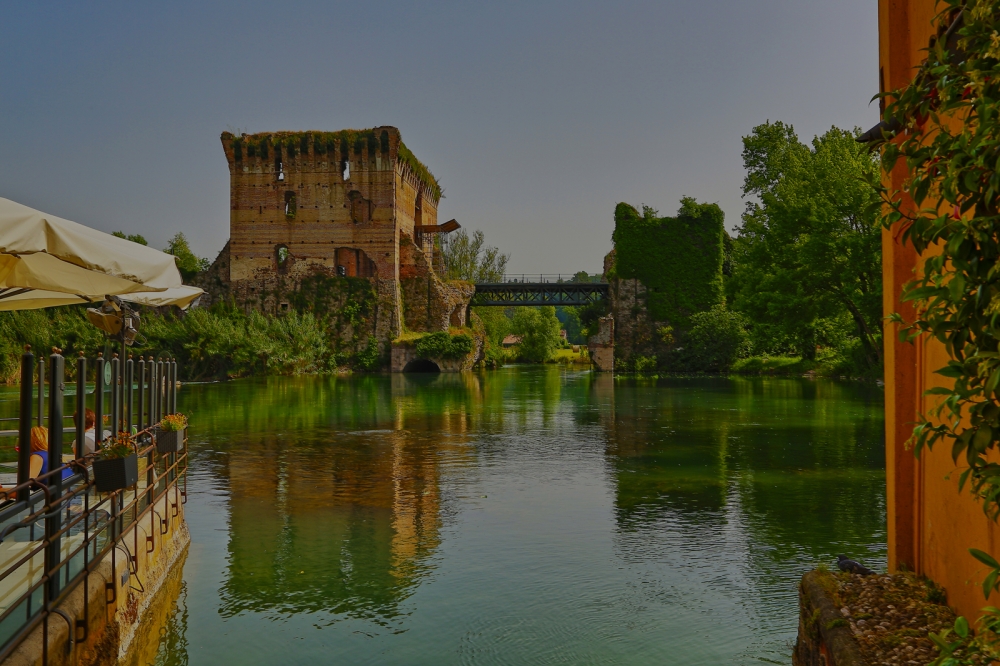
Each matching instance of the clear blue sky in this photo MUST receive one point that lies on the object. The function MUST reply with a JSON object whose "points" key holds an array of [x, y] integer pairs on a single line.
{"points": [[537, 117]]}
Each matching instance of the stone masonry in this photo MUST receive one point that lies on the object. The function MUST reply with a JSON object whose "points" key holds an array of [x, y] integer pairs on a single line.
{"points": [[339, 204]]}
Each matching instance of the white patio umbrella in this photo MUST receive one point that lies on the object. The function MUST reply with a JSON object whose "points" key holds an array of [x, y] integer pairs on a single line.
{"points": [[47, 253], [31, 299]]}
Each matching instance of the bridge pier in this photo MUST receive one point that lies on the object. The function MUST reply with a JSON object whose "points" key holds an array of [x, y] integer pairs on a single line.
{"points": [[602, 345]]}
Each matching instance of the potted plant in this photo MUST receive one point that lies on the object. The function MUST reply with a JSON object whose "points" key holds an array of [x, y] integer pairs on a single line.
{"points": [[117, 465], [170, 433]]}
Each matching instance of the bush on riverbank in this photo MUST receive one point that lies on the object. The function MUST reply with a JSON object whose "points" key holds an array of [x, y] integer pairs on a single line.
{"points": [[215, 343]]}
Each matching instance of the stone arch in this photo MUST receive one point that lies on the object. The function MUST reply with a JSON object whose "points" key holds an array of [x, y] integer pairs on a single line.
{"points": [[421, 365]]}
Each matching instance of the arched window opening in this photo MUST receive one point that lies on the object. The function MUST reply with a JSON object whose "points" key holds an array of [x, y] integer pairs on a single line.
{"points": [[280, 169], [345, 170], [281, 255], [290, 205]]}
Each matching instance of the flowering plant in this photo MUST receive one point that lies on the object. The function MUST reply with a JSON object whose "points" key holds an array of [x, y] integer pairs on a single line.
{"points": [[173, 422], [121, 446]]}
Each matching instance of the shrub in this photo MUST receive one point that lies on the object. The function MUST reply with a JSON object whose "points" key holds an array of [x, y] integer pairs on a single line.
{"points": [[443, 345], [539, 331], [717, 338]]}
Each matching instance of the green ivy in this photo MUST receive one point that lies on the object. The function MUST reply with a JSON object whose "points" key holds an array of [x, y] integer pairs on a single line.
{"points": [[369, 357], [444, 345], [954, 180], [678, 259]]}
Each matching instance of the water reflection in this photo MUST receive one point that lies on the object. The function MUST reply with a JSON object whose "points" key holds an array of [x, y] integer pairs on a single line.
{"points": [[359, 502]]}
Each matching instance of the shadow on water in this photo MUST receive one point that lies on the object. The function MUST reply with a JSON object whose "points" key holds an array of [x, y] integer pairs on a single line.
{"points": [[528, 514]]}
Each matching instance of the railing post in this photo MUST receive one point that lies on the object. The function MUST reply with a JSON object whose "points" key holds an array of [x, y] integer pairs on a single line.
{"points": [[160, 390], [152, 391], [24, 422], [41, 390], [129, 379], [99, 400], [142, 394], [116, 404], [54, 522], [173, 386], [81, 407]]}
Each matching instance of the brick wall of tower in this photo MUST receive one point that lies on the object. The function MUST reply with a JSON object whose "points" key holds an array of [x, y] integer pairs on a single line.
{"points": [[336, 220]]}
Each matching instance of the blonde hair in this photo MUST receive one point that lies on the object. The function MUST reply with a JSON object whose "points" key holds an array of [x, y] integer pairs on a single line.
{"points": [[39, 439]]}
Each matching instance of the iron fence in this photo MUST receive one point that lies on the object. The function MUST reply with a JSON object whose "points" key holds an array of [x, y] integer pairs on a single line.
{"points": [[548, 278], [56, 529]]}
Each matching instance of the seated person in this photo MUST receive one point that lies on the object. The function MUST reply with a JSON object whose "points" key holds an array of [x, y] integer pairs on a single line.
{"points": [[89, 427], [39, 460]]}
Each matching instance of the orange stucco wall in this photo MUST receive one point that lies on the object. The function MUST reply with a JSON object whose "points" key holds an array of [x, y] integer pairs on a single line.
{"points": [[931, 525]]}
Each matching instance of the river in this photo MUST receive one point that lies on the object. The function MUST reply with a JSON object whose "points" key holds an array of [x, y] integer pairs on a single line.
{"points": [[527, 515]]}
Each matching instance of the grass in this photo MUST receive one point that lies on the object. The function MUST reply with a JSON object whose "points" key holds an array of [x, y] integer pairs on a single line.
{"points": [[569, 357], [828, 363]]}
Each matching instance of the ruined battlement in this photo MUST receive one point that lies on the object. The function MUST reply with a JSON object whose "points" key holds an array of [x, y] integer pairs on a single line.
{"points": [[319, 205]]}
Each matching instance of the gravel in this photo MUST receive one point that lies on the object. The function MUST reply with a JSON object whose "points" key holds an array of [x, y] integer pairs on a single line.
{"points": [[891, 616]]}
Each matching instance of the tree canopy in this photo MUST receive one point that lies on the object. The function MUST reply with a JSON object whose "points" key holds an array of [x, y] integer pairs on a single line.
{"points": [[469, 258], [539, 332], [135, 238], [187, 262], [806, 265]]}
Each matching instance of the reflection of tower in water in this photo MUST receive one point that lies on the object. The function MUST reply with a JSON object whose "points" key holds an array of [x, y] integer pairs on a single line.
{"points": [[343, 529]]}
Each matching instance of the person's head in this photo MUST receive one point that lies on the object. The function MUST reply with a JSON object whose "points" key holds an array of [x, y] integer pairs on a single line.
{"points": [[39, 439], [89, 418]]}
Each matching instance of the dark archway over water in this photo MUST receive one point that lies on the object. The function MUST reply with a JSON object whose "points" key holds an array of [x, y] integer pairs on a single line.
{"points": [[421, 365]]}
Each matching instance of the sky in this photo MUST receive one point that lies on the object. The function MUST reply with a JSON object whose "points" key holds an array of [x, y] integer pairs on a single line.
{"points": [[536, 117]]}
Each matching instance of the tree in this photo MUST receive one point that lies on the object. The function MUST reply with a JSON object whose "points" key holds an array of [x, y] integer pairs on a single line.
{"points": [[135, 238], [187, 262], [467, 258], [808, 255], [539, 331], [716, 339]]}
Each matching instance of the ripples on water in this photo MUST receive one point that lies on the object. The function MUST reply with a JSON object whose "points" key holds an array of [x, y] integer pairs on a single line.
{"points": [[529, 515]]}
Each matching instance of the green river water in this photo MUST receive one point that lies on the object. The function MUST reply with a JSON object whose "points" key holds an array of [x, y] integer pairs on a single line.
{"points": [[531, 515]]}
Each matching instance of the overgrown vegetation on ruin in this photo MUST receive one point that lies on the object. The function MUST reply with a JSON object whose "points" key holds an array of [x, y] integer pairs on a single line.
{"points": [[277, 145], [678, 259]]}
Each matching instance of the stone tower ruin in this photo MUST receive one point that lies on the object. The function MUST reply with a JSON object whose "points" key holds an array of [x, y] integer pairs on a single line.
{"points": [[351, 204]]}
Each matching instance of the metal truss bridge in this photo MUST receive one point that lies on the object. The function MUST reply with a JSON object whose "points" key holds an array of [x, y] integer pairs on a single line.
{"points": [[526, 290]]}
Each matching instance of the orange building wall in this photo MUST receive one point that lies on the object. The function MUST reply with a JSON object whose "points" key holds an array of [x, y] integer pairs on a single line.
{"points": [[931, 525]]}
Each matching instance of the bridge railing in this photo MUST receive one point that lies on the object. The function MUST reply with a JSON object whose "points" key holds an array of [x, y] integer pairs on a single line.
{"points": [[549, 278]]}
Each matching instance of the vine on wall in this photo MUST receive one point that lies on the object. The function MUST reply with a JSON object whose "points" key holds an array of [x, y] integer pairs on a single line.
{"points": [[678, 259], [944, 126]]}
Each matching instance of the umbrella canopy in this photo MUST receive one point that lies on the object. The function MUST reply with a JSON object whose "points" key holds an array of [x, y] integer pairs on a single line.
{"points": [[32, 299], [48, 253]]}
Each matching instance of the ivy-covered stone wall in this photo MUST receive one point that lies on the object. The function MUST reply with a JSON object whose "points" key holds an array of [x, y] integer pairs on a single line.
{"points": [[662, 270], [678, 259]]}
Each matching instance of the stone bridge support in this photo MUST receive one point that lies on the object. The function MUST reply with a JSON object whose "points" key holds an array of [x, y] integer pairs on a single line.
{"points": [[602, 345]]}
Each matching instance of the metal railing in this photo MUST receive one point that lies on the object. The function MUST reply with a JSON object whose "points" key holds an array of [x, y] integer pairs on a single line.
{"points": [[547, 278], [56, 529]]}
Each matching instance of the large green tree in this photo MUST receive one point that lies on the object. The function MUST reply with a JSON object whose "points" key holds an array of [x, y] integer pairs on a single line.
{"points": [[807, 260], [469, 258], [538, 329]]}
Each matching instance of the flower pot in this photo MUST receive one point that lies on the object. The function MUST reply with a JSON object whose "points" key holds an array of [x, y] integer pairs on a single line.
{"points": [[116, 474], [169, 441]]}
